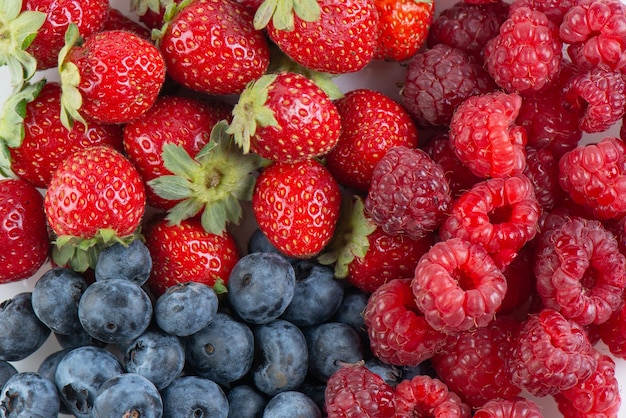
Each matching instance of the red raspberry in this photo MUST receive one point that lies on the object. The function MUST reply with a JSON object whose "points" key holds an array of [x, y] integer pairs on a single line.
{"points": [[598, 96], [473, 364], [553, 9], [594, 176], [485, 138], [580, 271], [542, 169], [598, 396], [458, 286], [398, 332], [468, 27], [438, 80], [425, 396], [526, 55], [459, 176], [596, 32], [409, 193], [613, 332], [516, 407], [550, 354], [500, 214], [355, 391]]}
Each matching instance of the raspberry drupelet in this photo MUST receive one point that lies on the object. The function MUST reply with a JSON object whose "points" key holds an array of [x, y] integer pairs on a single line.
{"points": [[553, 9], [580, 271], [458, 286], [516, 407], [425, 396], [613, 333], [500, 214], [485, 137], [542, 169]]}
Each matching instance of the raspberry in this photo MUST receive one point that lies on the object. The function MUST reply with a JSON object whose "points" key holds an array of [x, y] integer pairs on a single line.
{"points": [[468, 27], [526, 55], [484, 136], [458, 286], [398, 332], [542, 169], [550, 354], [596, 32], [424, 396], [473, 364], [553, 9], [355, 391], [520, 283], [613, 332], [594, 176], [516, 407], [580, 271], [597, 396], [438, 80], [500, 214], [409, 193], [598, 96]]}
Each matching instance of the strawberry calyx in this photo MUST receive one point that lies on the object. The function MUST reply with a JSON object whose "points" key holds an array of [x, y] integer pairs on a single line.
{"points": [[281, 13], [12, 121], [141, 7], [171, 10], [71, 99], [214, 182], [350, 240], [80, 253], [17, 31]]}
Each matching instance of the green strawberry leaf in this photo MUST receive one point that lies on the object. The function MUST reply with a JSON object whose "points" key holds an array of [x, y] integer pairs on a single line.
{"points": [[178, 161], [71, 99], [307, 10], [141, 7], [281, 13], [14, 111], [264, 13], [5, 162], [188, 208], [219, 287], [171, 187]]}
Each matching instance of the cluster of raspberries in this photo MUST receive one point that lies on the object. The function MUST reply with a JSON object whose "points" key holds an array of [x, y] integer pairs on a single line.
{"points": [[528, 269]]}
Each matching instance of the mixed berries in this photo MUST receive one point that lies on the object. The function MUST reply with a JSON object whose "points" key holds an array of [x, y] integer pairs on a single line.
{"points": [[216, 228]]}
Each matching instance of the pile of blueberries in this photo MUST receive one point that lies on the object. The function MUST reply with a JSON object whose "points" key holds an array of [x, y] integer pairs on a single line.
{"points": [[265, 348]]}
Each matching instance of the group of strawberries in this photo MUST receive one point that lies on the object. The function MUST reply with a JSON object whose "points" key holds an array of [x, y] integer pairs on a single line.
{"points": [[492, 242]]}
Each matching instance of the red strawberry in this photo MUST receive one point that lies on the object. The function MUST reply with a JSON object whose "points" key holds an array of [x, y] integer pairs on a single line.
{"points": [[331, 36], [187, 253], [296, 205], [212, 47], [95, 197], [113, 77], [24, 234], [403, 27], [285, 117]]}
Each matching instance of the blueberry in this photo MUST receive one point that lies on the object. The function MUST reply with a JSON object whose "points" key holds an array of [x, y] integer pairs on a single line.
{"points": [[317, 294], [157, 356], [388, 372], [222, 351], [29, 394], [78, 339], [316, 390], [351, 310], [185, 308], [22, 333], [130, 262], [258, 243], [260, 287], [127, 395], [115, 310], [291, 404], [331, 344], [281, 357], [245, 401], [194, 397], [6, 370], [79, 375], [48, 368], [55, 300]]}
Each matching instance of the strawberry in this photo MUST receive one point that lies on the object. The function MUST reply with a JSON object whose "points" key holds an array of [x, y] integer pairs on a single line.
{"points": [[372, 123], [403, 27], [332, 36], [285, 117], [211, 46], [42, 142], [24, 234], [95, 198], [296, 205], [187, 253], [112, 77]]}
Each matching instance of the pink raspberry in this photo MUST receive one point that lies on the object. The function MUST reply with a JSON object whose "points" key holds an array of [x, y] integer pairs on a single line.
{"points": [[425, 396], [484, 135], [458, 286], [526, 55], [550, 354], [580, 271], [553, 9], [613, 332], [473, 364], [596, 32], [542, 169], [409, 193], [516, 407], [500, 214], [398, 332], [594, 176]]}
